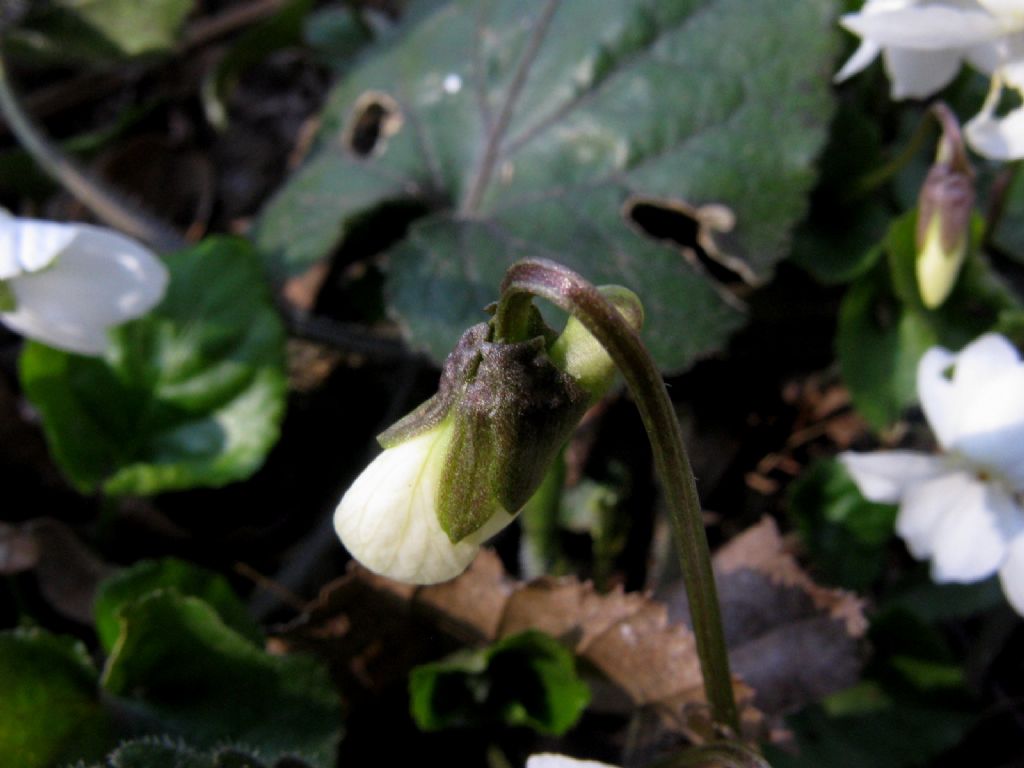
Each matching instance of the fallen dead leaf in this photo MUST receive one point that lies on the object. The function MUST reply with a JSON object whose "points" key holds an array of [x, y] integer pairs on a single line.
{"points": [[66, 571]]}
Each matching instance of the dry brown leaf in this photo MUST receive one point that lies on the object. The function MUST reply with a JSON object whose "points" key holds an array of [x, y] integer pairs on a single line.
{"points": [[373, 630], [762, 549], [66, 571], [792, 640]]}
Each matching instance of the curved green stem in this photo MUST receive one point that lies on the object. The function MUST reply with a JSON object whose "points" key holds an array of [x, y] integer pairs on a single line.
{"points": [[569, 291]]}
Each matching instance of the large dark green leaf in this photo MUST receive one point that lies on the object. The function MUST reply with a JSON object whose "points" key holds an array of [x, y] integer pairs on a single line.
{"points": [[528, 127], [184, 578], [190, 395], [188, 670], [528, 679], [49, 708]]}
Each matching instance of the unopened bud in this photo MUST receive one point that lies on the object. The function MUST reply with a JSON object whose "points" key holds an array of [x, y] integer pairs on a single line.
{"points": [[457, 469], [944, 211]]}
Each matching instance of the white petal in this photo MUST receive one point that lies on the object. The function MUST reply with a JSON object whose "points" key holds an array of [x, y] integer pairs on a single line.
{"points": [[1011, 575], [937, 393], [971, 537], [388, 517], [933, 27], [561, 761], [28, 245], [1010, 12], [885, 476], [997, 138], [101, 279], [859, 61], [916, 74], [922, 509], [986, 357], [991, 433]]}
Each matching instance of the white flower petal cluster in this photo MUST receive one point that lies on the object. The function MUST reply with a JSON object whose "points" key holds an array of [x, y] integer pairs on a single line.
{"points": [[388, 521], [923, 43], [548, 760], [962, 509], [67, 284]]}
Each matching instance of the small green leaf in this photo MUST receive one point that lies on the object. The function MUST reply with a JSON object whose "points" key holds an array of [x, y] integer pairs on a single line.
{"points": [[184, 578], [528, 679], [101, 30], [845, 534], [49, 707], [190, 395], [184, 667], [534, 128]]}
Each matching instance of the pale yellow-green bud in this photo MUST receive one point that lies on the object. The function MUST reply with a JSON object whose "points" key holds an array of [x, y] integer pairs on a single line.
{"points": [[388, 517], [944, 209], [456, 470], [580, 355]]}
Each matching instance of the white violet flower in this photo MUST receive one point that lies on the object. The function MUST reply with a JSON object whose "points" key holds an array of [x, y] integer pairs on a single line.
{"points": [[962, 509], [924, 42], [548, 760], [67, 284], [388, 520]]}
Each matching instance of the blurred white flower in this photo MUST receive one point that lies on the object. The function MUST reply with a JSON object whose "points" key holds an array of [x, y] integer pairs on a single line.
{"points": [[388, 520], [961, 508], [924, 42], [560, 761], [67, 284]]}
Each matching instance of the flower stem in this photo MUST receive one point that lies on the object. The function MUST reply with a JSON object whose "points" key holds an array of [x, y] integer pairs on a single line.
{"points": [[569, 291]]}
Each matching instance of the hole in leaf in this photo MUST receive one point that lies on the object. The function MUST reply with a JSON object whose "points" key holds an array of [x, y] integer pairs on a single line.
{"points": [[375, 118], [692, 231]]}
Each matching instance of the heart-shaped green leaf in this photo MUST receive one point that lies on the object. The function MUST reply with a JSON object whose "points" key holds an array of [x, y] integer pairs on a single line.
{"points": [[190, 395], [183, 667], [184, 578], [559, 129], [50, 709]]}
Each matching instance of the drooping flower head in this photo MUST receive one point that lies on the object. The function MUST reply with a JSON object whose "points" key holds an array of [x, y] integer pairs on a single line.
{"points": [[962, 508], [67, 284], [457, 469]]}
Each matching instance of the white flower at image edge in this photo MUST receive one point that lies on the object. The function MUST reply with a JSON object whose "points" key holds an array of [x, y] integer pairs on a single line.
{"points": [[66, 285], [923, 44], [962, 508], [387, 519], [560, 761]]}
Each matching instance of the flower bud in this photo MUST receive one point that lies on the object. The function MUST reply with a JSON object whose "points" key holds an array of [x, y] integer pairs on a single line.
{"points": [[944, 219], [457, 469]]}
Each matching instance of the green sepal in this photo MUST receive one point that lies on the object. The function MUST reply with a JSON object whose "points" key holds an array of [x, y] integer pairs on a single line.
{"points": [[580, 355], [510, 420], [8, 303], [459, 367]]}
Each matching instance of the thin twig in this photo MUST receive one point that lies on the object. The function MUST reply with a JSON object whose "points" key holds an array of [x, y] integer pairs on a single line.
{"points": [[106, 204]]}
